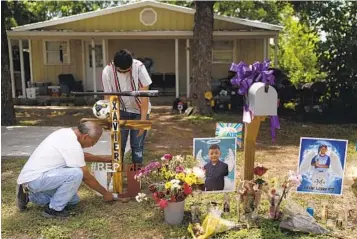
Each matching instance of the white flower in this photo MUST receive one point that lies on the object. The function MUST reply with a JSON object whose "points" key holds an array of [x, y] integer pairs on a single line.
{"points": [[175, 181], [198, 172], [141, 197], [188, 170]]}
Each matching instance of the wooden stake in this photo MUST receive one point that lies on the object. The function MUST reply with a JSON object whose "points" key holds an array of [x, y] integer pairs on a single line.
{"points": [[250, 137]]}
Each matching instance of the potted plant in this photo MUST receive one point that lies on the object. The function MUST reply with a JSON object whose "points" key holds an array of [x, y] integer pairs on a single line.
{"points": [[170, 184]]}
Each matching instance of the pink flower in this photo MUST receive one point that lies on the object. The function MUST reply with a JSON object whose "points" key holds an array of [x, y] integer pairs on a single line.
{"points": [[166, 157], [180, 169], [294, 179], [163, 203]]}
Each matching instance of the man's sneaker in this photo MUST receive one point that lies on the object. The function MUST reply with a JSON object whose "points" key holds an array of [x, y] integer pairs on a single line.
{"points": [[22, 198], [51, 213]]}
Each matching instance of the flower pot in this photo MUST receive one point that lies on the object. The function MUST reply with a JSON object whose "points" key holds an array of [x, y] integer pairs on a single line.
{"points": [[174, 212]]}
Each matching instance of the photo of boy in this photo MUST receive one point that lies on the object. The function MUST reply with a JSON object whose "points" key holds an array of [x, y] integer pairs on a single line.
{"points": [[216, 170]]}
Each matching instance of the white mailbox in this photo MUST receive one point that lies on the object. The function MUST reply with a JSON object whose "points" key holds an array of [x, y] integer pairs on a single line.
{"points": [[263, 103]]}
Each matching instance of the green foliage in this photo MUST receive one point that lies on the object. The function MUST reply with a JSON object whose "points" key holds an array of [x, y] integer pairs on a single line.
{"points": [[296, 49], [338, 54], [266, 11]]}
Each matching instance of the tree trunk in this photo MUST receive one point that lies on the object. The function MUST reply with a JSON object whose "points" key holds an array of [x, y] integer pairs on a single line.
{"points": [[7, 107], [202, 56]]}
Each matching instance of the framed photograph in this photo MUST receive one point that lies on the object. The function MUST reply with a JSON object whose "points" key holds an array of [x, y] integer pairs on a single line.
{"points": [[230, 130], [218, 158], [322, 165]]}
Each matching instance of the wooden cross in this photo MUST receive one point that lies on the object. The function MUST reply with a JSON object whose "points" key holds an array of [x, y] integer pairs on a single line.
{"points": [[115, 125]]}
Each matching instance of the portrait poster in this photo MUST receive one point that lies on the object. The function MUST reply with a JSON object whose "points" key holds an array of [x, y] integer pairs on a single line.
{"points": [[230, 130], [218, 158], [322, 165]]}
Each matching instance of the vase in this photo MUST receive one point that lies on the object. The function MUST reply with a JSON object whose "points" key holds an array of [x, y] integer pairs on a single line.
{"points": [[174, 212]]}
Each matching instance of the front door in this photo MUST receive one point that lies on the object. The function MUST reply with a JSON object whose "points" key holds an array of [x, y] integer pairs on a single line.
{"points": [[98, 67]]}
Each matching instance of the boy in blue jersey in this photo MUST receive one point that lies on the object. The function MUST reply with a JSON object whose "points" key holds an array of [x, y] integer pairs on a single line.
{"points": [[321, 163]]}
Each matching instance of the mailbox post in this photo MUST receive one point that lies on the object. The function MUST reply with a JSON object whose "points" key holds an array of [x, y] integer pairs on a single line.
{"points": [[254, 82], [262, 103]]}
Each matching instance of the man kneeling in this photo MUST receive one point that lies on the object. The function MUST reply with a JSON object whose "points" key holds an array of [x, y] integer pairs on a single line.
{"points": [[52, 175]]}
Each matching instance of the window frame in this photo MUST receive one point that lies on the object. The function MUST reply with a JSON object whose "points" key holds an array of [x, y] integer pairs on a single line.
{"points": [[45, 51], [223, 51]]}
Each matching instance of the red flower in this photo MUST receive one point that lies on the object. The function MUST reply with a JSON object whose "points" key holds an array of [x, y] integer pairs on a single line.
{"points": [[155, 197], [163, 203], [173, 199], [152, 188], [260, 170], [187, 189]]}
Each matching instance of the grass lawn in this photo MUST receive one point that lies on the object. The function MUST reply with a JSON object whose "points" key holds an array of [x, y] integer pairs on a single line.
{"points": [[94, 218]]}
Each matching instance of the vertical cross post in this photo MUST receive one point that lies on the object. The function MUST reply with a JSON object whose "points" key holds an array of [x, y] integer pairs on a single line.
{"points": [[116, 144]]}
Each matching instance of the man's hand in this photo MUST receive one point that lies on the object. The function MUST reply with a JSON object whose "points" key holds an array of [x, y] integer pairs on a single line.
{"points": [[107, 159], [108, 196]]}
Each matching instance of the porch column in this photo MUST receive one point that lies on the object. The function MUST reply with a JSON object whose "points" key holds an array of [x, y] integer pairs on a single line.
{"points": [[30, 56], [235, 50], [104, 49], [84, 78], [177, 68], [187, 68], [93, 67], [276, 51], [264, 49], [23, 83], [12, 77]]}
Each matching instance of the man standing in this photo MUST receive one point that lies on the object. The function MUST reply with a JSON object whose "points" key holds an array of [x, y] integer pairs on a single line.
{"points": [[52, 175], [128, 74]]}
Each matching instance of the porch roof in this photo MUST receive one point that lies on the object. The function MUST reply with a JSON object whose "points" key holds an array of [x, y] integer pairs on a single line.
{"points": [[134, 34], [146, 3]]}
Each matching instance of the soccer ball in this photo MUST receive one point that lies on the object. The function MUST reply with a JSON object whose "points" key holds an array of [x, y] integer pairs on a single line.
{"points": [[101, 109]]}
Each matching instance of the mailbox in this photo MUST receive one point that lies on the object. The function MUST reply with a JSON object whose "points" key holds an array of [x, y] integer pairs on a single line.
{"points": [[262, 102]]}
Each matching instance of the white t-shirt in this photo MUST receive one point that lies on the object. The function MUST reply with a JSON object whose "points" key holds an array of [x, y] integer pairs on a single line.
{"points": [[114, 81], [59, 149]]}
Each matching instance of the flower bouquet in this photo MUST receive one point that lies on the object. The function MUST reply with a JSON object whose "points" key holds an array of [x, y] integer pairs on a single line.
{"points": [[170, 182], [279, 191], [249, 192]]}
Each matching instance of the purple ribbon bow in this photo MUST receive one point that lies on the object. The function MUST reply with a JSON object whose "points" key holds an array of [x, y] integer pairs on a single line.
{"points": [[246, 76]]}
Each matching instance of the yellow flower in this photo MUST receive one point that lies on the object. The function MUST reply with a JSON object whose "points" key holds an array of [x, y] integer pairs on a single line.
{"points": [[208, 95], [167, 175], [189, 180], [180, 176], [168, 185]]}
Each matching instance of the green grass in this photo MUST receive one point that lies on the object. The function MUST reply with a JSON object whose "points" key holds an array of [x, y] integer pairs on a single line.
{"points": [[96, 219]]}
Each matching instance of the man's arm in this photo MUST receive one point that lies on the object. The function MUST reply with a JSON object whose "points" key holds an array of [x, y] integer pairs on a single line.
{"points": [[313, 161], [225, 171], [144, 104], [93, 158], [144, 83], [107, 87], [91, 182]]}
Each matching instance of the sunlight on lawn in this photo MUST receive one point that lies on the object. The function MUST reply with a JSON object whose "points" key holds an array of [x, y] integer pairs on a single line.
{"points": [[93, 218]]}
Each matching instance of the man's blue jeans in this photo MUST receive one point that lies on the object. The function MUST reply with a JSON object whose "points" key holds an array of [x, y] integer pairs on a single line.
{"points": [[57, 187], [136, 143]]}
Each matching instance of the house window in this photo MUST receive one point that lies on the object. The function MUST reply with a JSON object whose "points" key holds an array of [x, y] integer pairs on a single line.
{"points": [[222, 52], [56, 52]]}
